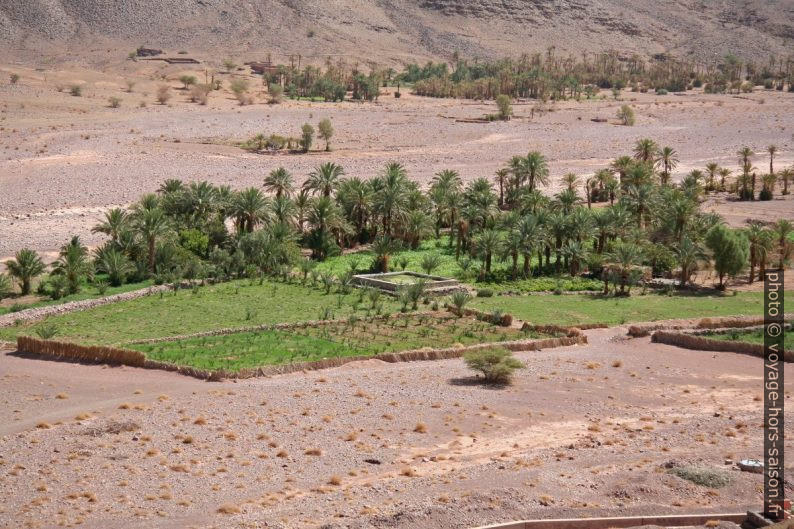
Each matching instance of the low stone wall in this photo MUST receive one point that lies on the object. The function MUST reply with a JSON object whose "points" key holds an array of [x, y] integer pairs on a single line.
{"points": [[689, 341], [111, 355], [733, 322], [37, 313], [670, 520]]}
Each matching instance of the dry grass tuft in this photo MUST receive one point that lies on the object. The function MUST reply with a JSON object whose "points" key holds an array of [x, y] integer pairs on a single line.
{"points": [[229, 508], [617, 363], [335, 480], [313, 452], [43, 426], [420, 427], [408, 472], [200, 420], [61, 396]]}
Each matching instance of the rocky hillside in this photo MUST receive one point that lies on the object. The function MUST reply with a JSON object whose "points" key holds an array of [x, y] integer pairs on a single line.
{"points": [[391, 31]]}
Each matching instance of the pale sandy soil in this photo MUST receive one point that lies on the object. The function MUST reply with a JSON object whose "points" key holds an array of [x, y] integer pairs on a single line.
{"points": [[573, 432], [64, 160]]}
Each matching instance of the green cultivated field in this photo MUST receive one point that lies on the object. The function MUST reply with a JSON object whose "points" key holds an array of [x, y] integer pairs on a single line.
{"points": [[87, 292], [362, 337], [448, 267], [755, 336], [233, 304], [573, 309]]}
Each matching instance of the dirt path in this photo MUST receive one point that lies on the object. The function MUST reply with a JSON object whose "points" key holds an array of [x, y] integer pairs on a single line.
{"points": [[583, 431]]}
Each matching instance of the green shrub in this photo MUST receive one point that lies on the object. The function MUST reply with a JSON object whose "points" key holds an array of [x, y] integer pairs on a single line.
{"points": [[626, 115], [705, 477], [496, 364], [484, 293], [459, 300], [46, 330], [76, 90]]}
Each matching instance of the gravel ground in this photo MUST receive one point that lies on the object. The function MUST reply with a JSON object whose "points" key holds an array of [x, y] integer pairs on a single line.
{"points": [[583, 431], [64, 160]]}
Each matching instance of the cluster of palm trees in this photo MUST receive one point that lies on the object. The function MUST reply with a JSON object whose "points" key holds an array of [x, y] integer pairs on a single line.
{"points": [[644, 225], [556, 76]]}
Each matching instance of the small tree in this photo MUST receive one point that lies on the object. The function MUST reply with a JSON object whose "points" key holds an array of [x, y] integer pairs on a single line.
{"points": [[114, 102], [326, 132], [430, 262], [307, 137], [240, 89], [730, 249], [26, 266], [6, 287], [229, 64], [188, 80], [626, 115], [505, 108], [200, 93], [276, 92], [459, 300], [14, 78], [130, 85], [496, 364], [163, 94]]}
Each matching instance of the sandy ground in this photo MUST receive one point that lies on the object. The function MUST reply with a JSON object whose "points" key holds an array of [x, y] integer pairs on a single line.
{"points": [[412, 445], [64, 160]]}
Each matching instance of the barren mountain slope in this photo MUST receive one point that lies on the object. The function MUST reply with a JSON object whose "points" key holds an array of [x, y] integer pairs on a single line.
{"points": [[395, 30]]}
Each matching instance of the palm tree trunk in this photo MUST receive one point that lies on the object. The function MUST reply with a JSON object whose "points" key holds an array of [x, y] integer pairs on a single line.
{"points": [[151, 254], [752, 264], [526, 264]]}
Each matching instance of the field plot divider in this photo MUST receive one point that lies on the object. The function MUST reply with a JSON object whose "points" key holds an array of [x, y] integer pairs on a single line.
{"points": [[112, 355]]}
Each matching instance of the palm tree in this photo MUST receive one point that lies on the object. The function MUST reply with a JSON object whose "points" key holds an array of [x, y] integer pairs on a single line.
{"points": [[302, 203], [772, 150], [26, 266], [382, 247], [430, 261], [417, 225], [537, 170], [640, 200], [326, 218], [724, 173], [531, 234], [745, 154], [621, 165], [283, 210], [759, 238], [567, 199], [73, 264], [782, 229], [667, 161], [279, 181], [689, 253], [646, 150], [249, 209], [623, 258], [786, 175], [355, 197], [391, 195], [151, 224], [711, 169], [324, 179], [576, 253], [570, 180], [487, 243], [501, 177], [115, 264], [116, 221]]}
